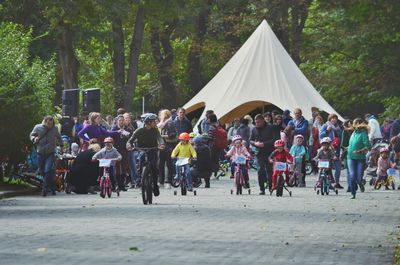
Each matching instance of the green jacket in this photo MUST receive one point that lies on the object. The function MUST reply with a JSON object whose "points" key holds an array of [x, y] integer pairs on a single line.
{"points": [[358, 140]]}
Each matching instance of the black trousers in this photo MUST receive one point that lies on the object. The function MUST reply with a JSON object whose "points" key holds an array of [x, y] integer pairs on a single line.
{"points": [[199, 174], [165, 160], [264, 172]]}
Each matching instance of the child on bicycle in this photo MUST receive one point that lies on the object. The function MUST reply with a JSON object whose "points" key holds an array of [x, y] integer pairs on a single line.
{"points": [[280, 154], [239, 149], [109, 152], [298, 151], [384, 164], [326, 152], [184, 150]]}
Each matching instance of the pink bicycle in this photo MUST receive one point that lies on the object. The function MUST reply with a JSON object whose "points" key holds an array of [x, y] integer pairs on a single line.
{"points": [[241, 163], [105, 180]]}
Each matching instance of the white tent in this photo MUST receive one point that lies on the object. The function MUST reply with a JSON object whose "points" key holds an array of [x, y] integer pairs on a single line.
{"points": [[260, 73]]}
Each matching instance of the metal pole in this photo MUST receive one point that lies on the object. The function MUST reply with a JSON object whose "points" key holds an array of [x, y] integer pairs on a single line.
{"points": [[142, 105]]}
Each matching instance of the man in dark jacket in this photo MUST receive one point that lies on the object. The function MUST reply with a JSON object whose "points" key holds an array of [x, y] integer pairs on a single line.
{"points": [[263, 137], [182, 123], [202, 167], [395, 130]]}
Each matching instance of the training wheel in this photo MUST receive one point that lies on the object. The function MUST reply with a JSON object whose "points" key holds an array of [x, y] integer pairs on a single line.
{"points": [[290, 193], [175, 193], [231, 191], [336, 191], [194, 193], [249, 191], [317, 192]]}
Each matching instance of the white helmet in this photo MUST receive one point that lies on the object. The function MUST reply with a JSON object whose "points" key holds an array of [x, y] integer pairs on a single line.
{"points": [[326, 140]]}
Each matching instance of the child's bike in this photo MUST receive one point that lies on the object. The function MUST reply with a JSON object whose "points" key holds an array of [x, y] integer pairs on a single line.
{"points": [[105, 180], [181, 162], [389, 182], [324, 179], [147, 180], [224, 166], [241, 162], [280, 180], [295, 174]]}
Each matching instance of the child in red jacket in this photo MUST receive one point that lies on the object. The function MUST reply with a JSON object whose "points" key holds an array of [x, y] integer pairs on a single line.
{"points": [[280, 154]]}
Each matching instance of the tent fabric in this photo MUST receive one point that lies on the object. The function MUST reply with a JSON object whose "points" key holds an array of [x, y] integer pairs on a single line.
{"points": [[261, 72]]}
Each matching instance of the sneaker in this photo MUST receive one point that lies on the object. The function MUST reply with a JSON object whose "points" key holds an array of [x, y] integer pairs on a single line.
{"points": [[246, 185], [338, 186], [362, 188], [353, 196], [262, 192], [132, 186], [232, 177], [348, 190], [167, 186], [156, 190]]}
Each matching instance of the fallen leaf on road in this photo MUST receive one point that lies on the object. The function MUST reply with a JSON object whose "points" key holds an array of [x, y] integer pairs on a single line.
{"points": [[134, 249]]}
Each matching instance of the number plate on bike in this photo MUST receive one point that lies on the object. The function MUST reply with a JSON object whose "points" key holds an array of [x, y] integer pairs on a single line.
{"points": [[240, 160], [323, 164], [104, 162], [393, 172], [181, 161], [280, 166]]}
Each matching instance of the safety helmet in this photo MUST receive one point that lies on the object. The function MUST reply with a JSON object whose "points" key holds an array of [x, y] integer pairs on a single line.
{"points": [[192, 135], [197, 139], [299, 136], [150, 117], [184, 137], [204, 135], [326, 140], [236, 138], [279, 143], [108, 140], [383, 150]]}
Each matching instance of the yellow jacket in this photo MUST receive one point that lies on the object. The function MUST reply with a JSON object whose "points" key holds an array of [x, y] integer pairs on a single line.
{"points": [[184, 150]]}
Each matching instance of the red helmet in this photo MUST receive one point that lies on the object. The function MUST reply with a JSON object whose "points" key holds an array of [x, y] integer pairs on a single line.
{"points": [[184, 137], [279, 143], [383, 150], [108, 140]]}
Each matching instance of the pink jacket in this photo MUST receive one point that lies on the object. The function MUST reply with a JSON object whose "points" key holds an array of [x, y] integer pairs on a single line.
{"points": [[383, 165], [233, 152]]}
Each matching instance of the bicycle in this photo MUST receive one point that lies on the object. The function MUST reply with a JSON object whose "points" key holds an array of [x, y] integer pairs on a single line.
{"points": [[324, 178], [224, 166], [389, 182], [105, 180], [240, 161], [280, 181], [147, 180], [296, 174], [181, 163]]}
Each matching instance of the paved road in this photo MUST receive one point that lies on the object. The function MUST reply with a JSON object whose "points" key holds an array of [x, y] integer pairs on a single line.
{"points": [[211, 228]]}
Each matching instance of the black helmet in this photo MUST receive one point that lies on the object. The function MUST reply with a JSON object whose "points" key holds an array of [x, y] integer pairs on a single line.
{"points": [[150, 117]]}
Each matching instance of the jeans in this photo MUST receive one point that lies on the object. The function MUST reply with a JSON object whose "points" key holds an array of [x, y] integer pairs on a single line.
{"points": [[46, 170], [132, 157], [186, 169], [356, 172], [338, 168], [264, 171]]}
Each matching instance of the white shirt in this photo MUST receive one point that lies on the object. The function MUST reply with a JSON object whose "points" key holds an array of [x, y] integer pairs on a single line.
{"points": [[374, 130]]}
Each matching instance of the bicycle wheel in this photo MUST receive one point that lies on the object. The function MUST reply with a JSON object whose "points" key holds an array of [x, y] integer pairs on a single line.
{"points": [[102, 188], [279, 186], [183, 186], [108, 187], [145, 184], [175, 183], [309, 168]]}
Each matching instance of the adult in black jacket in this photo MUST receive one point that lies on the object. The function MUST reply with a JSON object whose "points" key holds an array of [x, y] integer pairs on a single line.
{"points": [[395, 130], [84, 173], [263, 137], [202, 166]]}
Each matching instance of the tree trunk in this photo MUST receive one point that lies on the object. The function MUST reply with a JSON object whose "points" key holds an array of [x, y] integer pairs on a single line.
{"points": [[118, 63], [68, 61], [58, 87], [278, 17], [135, 46], [195, 78], [299, 17], [164, 60]]}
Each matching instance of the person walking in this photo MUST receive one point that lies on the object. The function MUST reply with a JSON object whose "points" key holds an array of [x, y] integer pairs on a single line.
{"points": [[45, 137], [182, 123], [359, 145]]}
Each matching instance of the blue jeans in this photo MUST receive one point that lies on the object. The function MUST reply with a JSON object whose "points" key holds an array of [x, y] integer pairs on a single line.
{"points": [[186, 169], [338, 168], [356, 173], [46, 170], [132, 157]]}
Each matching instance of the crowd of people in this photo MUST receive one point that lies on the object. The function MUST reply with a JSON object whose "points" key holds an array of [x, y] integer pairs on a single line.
{"points": [[272, 136]]}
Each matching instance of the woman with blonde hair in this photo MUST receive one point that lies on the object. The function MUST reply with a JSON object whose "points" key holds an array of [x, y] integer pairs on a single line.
{"points": [[169, 133], [358, 147]]}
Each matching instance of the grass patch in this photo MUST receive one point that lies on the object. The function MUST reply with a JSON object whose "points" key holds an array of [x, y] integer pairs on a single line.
{"points": [[14, 184]]}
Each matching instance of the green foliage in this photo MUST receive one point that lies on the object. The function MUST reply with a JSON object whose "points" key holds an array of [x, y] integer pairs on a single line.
{"points": [[26, 88]]}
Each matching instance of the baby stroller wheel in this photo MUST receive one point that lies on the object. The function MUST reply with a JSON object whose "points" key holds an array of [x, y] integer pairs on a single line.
{"points": [[194, 193], [175, 193], [290, 193]]}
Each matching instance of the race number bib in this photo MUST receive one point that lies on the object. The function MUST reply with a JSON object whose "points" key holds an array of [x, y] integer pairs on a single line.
{"points": [[280, 166], [240, 160], [181, 161], [323, 164], [104, 162]]}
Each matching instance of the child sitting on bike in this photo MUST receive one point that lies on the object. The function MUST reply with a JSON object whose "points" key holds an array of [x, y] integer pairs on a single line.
{"points": [[184, 150], [280, 154], [239, 149], [326, 152], [109, 152], [298, 151], [384, 164]]}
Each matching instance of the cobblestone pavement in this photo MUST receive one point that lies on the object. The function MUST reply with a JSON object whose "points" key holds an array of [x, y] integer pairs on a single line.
{"points": [[213, 227]]}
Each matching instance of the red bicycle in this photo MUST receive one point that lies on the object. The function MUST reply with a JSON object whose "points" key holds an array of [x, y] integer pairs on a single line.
{"points": [[105, 180], [241, 163]]}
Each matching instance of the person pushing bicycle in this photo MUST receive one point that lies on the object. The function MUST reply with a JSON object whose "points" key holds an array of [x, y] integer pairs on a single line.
{"points": [[149, 137]]}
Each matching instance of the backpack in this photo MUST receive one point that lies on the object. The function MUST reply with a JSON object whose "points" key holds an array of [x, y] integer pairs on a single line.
{"points": [[170, 130], [221, 138]]}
